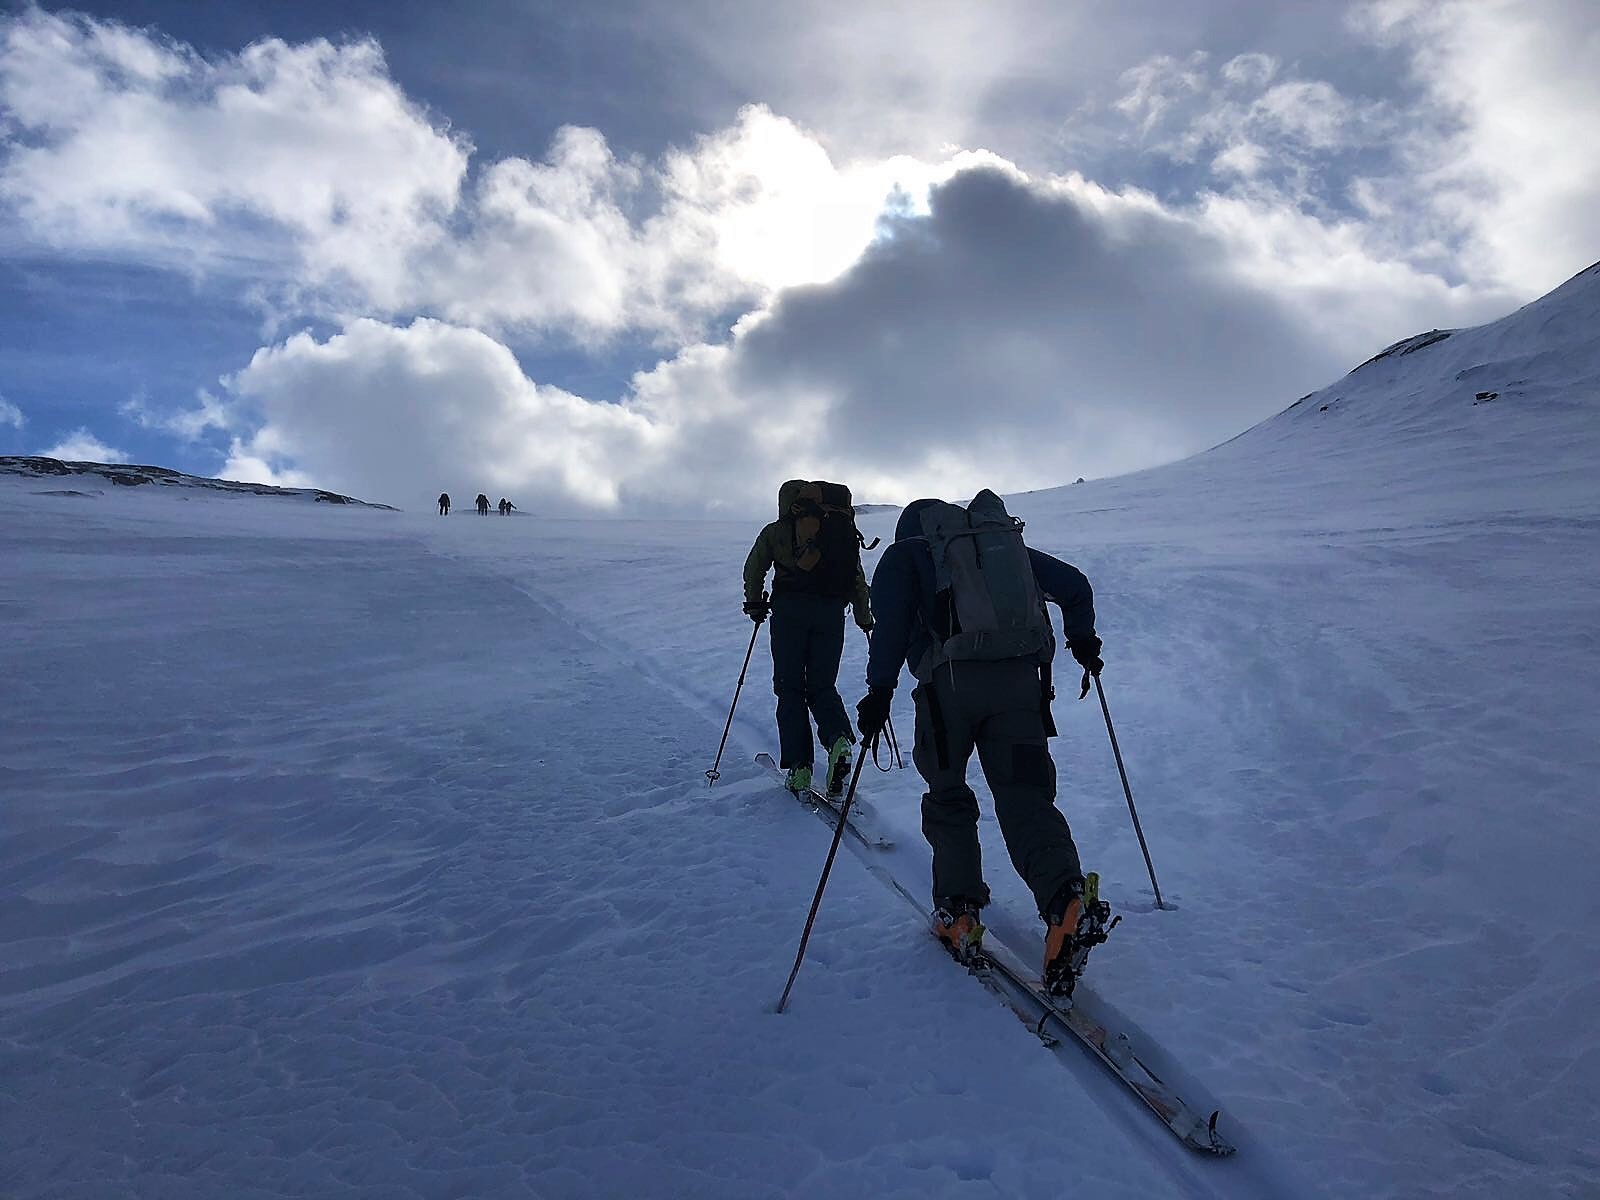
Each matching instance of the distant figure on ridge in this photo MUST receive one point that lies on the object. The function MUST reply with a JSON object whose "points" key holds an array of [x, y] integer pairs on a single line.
{"points": [[483, 505], [505, 507], [444, 504], [814, 551], [961, 599]]}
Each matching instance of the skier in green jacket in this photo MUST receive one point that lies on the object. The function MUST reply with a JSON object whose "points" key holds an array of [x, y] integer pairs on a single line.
{"points": [[814, 552]]}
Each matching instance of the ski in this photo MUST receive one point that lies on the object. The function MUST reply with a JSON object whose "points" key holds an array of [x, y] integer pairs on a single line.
{"points": [[1047, 1015], [1085, 1019], [861, 824], [1054, 1020]]}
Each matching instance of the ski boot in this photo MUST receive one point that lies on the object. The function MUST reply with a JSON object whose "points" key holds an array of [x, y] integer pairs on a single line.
{"points": [[955, 924], [798, 780], [838, 765], [1077, 920]]}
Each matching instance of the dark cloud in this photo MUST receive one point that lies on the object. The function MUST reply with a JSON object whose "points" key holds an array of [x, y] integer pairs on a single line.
{"points": [[1016, 325]]}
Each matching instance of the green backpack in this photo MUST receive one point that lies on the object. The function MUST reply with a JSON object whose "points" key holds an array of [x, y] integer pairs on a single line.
{"points": [[827, 544]]}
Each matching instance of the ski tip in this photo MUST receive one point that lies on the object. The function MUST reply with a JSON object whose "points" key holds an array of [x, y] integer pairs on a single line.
{"points": [[1215, 1142]]}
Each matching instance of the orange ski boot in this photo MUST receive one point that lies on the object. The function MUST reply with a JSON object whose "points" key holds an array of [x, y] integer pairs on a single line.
{"points": [[1075, 923], [956, 925]]}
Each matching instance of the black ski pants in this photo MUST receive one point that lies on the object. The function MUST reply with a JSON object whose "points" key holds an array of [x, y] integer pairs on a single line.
{"points": [[807, 641], [994, 708]]}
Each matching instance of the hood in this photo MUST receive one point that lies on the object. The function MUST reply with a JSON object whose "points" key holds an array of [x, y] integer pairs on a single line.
{"points": [[787, 495], [910, 523]]}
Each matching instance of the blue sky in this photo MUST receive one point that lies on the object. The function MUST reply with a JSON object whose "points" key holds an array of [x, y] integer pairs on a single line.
{"points": [[637, 257]]}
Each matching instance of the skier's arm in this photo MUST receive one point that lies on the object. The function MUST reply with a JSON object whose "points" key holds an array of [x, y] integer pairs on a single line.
{"points": [[1068, 587], [756, 566], [894, 610]]}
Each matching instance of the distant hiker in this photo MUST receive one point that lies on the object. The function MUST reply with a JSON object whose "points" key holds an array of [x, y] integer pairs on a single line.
{"points": [[444, 504], [483, 505], [814, 551], [505, 507], [960, 598]]}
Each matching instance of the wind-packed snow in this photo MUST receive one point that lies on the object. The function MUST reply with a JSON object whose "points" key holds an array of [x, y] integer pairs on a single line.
{"points": [[346, 852]]}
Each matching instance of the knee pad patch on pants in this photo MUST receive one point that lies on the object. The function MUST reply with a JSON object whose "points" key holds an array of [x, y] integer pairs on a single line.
{"points": [[1032, 765]]}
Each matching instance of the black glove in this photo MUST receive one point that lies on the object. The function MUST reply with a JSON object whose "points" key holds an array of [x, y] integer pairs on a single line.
{"points": [[757, 610], [864, 624], [872, 714], [1087, 652]]}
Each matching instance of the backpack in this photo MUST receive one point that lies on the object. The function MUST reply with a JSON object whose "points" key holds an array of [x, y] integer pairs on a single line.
{"points": [[988, 605], [827, 544]]}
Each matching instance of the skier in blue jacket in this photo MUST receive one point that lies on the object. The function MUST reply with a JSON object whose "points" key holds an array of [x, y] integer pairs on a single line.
{"points": [[1001, 710]]}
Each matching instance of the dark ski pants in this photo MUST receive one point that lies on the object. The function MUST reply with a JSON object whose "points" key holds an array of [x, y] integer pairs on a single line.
{"points": [[807, 640], [993, 707]]}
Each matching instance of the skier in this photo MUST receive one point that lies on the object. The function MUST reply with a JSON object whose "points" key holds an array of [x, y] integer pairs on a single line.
{"points": [[960, 598], [483, 505], [444, 504], [505, 507], [814, 552]]}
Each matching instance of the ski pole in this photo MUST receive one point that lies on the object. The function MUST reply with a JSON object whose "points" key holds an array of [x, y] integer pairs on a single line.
{"points": [[888, 725], [816, 901], [1128, 791], [713, 775]]}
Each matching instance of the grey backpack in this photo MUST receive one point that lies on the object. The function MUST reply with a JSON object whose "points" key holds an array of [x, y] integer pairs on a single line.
{"points": [[989, 606]]}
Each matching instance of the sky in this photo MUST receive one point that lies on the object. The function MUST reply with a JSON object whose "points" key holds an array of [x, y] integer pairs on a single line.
{"points": [[636, 258]]}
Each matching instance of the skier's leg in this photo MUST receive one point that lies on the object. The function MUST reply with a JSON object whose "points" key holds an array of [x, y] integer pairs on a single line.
{"points": [[824, 648], [788, 636], [942, 746], [1015, 755]]}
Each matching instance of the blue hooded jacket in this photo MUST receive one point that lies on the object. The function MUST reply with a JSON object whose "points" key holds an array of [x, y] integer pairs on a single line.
{"points": [[904, 593]]}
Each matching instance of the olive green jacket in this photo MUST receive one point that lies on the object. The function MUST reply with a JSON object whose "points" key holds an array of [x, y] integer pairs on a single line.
{"points": [[774, 551]]}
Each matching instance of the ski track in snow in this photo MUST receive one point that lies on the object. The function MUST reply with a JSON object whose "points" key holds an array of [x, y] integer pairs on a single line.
{"points": [[336, 868], [1353, 1036], [348, 853]]}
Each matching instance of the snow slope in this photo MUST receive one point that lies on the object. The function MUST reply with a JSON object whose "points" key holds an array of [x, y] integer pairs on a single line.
{"points": [[129, 475], [357, 853]]}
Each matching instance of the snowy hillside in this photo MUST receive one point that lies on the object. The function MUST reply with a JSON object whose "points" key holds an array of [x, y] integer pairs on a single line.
{"points": [[95, 475], [360, 853]]}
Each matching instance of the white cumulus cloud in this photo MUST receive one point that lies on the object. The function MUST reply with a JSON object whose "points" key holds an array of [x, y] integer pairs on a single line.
{"points": [[82, 446], [123, 142]]}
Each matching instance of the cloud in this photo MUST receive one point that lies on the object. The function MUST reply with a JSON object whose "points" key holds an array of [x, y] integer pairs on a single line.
{"points": [[896, 77], [1251, 126], [590, 245], [918, 323], [190, 425], [82, 446], [1018, 333], [119, 141], [1506, 155], [11, 415], [386, 411], [1476, 164], [307, 171]]}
